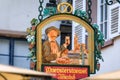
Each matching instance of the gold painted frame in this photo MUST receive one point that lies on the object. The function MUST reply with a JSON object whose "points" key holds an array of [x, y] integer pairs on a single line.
{"points": [[87, 26]]}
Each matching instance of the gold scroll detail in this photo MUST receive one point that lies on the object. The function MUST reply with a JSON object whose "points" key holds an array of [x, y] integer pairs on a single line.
{"points": [[65, 8]]}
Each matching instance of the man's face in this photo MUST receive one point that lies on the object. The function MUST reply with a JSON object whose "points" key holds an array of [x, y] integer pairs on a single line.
{"points": [[52, 35]]}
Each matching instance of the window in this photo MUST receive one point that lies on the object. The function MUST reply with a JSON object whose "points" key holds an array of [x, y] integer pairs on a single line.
{"points": [[103, 17], [14, 52], [109, 19]]}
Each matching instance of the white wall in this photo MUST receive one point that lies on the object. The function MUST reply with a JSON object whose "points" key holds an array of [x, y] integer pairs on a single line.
{"points": [[111, 57], [17, 14]]}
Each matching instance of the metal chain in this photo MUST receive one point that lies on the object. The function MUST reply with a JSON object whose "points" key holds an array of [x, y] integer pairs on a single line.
{"points": [[89, 11], [40, 9]]}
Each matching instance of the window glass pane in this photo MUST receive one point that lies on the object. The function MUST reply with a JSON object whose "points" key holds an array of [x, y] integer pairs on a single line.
{"points": [[105, 12], [4, 60], [101, 1], [101, 14], [4, 49], [21, 62], [21, 48], [103, 17], [101, 27], [105, 30]]}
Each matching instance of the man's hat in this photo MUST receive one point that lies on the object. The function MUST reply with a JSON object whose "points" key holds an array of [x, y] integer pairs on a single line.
{"points": [[52, 28]]}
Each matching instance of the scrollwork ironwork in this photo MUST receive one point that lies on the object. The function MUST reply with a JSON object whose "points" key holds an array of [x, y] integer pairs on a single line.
{"points": [[118, 1], [110, 2]]}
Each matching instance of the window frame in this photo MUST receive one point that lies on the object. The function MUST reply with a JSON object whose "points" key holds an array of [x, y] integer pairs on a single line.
{"points": [[105, 28], [11, 50]]}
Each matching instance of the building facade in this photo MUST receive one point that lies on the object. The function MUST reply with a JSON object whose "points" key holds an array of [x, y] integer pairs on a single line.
{"points": [[16, 16]]}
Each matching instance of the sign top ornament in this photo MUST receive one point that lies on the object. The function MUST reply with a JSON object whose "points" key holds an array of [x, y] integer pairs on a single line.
{"points": [[65, 8]]}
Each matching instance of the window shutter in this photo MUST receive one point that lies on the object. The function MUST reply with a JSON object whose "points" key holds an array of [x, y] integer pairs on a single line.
{"points": [[78, 32], [79, 4], [77, 28], [114, 20]]}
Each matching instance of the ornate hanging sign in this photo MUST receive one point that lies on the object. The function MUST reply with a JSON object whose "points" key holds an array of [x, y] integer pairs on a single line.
{"points": [[49, 44]]}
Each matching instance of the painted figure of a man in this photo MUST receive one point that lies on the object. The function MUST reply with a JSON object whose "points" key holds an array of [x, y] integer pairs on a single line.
{"points": [[51, 50]]}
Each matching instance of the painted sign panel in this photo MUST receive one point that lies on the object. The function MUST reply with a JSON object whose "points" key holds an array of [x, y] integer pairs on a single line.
{"points": [[67, 72], [57, 51]]}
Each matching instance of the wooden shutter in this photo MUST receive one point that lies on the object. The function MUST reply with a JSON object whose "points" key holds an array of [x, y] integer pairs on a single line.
{"points": [[114, 20]]}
